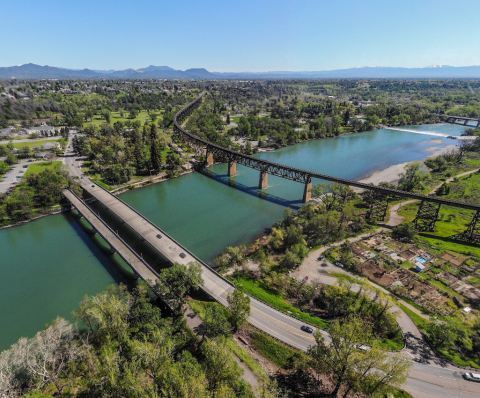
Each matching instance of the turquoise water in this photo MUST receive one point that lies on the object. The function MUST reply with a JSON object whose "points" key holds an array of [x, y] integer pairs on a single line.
{"points": [[47, 266]]}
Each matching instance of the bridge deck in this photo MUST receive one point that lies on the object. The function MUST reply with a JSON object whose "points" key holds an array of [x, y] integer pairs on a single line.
{"points": [[115, 242], [265, 318]]}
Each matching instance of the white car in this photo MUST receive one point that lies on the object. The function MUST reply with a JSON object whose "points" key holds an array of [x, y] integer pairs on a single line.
{"points": [[472, 377]]}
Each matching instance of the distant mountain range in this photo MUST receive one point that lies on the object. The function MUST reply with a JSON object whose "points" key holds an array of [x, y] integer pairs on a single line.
{"points": [[33, 71]]}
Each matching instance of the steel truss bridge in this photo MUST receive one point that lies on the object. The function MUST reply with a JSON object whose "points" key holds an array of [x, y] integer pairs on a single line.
{"points": [[378, 197]]}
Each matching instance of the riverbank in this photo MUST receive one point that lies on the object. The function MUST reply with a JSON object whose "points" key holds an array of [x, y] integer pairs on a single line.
{"points": [[390, 174]]}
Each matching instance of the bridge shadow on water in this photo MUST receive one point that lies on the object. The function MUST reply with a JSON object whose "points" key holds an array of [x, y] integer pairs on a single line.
{"points": [[99, 249], [253, 191]]}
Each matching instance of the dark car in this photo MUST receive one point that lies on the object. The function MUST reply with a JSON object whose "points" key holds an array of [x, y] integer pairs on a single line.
{"points": [[307, 329], [183, 255]]}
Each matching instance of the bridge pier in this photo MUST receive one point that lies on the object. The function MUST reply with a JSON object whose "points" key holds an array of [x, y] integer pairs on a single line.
{"points": [[209, 157], [307, 192], [112, 250], [232, 169], [473, 231], [427, 216], [263, 182], [478, 123], [466, 122]]}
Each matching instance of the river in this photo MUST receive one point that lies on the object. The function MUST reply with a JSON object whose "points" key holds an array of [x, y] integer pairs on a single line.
{"points": [[48, 265]]}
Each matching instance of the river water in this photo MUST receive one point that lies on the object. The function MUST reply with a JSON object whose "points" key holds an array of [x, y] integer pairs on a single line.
{"points": [[49, 265]]}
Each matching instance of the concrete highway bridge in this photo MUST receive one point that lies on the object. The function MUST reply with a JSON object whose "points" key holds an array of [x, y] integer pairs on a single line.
{"points": [[379, 199], [461, 120]]}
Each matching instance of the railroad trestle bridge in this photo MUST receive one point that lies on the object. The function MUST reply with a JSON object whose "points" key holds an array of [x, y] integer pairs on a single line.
{"points": [[378, 199]]}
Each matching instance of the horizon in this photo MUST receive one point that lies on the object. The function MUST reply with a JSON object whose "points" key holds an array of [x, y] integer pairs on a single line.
{"points": [[434, 66]]}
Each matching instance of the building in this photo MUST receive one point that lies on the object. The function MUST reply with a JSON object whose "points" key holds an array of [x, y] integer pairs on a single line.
{"points": [[419, 267], [41, 130]]}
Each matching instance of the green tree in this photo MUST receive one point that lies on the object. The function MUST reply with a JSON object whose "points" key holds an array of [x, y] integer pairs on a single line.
{"points": [[374, 373], [405, 230], [215, 322], [220, 365], [412, 177], [239, 304], [176, 281]]}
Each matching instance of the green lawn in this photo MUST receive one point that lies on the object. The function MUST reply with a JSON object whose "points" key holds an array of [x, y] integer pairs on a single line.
{"points": [[279, 353], [115, 117], [39, 167], [452, 222], [32, 144]]}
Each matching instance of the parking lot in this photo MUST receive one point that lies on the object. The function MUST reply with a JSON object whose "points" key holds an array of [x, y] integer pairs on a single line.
{"points": [[10, 179]]}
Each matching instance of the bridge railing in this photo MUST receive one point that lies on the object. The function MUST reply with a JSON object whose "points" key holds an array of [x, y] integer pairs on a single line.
{"points": [[261, 164]]}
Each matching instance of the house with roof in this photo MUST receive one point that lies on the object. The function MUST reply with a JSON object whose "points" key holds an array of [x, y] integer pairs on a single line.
{"points": [[41, 130]]}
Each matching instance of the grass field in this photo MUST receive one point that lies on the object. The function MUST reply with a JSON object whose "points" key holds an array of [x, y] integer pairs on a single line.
{"points": [[452, 222], [39, 167], [115, 117], [31, 144]]}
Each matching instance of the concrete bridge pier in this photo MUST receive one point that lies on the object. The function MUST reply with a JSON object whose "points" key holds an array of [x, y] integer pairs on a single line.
{"points": [[263, 182], [466, 122], [232, 169], [112, 250], [307, 192], [478, 123], [209, 158]]}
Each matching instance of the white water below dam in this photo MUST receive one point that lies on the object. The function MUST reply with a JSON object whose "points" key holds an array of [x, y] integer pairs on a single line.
{"points": [[431, 133]]}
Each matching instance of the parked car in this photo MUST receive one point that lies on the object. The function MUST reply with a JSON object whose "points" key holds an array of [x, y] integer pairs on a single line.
{"points": [[472, 377], [339, 264], [307, 329], [363, 347]]}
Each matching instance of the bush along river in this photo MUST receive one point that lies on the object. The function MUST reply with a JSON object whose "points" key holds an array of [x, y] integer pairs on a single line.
{"points": [[50, 264]]}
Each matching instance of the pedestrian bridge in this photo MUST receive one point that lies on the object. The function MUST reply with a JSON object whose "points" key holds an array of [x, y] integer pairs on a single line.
{"points": [[263, 317]]}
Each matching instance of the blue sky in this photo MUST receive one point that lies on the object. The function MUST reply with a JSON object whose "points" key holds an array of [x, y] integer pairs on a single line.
{"points": [[239, 35]]}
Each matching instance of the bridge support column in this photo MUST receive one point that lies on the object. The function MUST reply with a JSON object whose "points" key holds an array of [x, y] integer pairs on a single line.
{"points": [[209, 158], [465, 123], [232, 169], [307, 192], [478, 124], [263, 182], [427, 216], [473, 231], [94, 231], [112, 250]]}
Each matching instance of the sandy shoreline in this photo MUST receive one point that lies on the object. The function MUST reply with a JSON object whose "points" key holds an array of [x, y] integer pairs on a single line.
{"points": [[390, 174]]}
